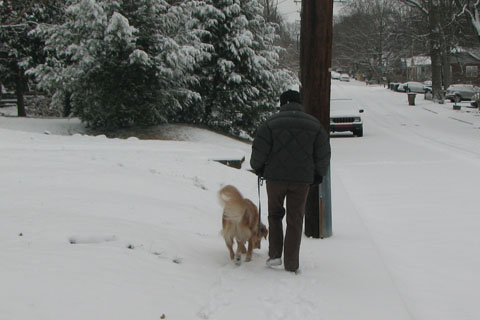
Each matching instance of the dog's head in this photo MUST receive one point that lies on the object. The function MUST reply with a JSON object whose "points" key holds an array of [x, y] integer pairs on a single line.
{"points": [[263, 232]]}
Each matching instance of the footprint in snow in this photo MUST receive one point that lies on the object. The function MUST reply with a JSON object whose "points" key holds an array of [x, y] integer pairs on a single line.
{"points": [[91, 239]]}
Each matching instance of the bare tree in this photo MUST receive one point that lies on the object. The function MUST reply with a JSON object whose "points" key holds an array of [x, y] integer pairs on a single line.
{"points": [[471, 8], [366, 37], [443, 23], [288, 35], [270, 11]]}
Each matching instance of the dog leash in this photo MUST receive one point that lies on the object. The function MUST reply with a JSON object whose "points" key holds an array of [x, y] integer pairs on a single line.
{"points": [[259, 184]]}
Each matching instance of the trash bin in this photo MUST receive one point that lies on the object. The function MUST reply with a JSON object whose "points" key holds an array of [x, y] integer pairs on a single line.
{"points": [[411, 99]]}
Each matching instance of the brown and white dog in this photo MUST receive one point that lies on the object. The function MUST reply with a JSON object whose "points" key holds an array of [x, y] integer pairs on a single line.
{"points": [[240, 222]]}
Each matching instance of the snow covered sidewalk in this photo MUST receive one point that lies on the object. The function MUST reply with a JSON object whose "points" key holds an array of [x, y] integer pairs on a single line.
{"points": [[119, 229]]}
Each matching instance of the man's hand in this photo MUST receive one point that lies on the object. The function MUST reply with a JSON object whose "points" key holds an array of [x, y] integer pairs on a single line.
{"points": [[259, 172], [317, 179]]}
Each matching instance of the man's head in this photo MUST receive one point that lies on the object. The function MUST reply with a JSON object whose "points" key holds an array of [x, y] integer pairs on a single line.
{"points": [[289, 96]]}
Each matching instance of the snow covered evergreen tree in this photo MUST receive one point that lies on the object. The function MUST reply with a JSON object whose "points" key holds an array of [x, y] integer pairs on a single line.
{"points": [[18, 50], [164, 33], [123, 63], [242, 81]]}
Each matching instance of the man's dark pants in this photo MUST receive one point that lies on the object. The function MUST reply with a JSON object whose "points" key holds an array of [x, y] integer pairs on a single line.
{"points": [[296, 195]]}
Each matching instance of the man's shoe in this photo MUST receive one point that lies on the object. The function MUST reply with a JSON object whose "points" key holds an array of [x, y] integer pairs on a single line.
{"points": [[272, 262], [297, 272]]}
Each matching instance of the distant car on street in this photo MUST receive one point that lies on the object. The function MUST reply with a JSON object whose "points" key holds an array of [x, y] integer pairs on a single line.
{"points": [[476, 100], [344, 77], [427, 86], [345, 116], [335, 75], [461, 92], [394, 86], [412, 86], [401, 87]]}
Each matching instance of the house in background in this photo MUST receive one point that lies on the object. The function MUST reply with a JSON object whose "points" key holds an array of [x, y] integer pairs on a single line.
{"points": [[464, 67], [418, 68]]}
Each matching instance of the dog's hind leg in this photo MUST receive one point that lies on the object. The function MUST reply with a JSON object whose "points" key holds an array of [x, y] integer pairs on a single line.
{"points": [[240, 250], [250, 250], [229, 243], [241, 246]]}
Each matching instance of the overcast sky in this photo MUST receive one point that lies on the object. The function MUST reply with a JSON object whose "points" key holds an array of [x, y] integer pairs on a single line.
{"points": [[291, 10]]}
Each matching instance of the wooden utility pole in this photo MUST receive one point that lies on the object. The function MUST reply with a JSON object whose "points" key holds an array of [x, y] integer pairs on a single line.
{"points": [[315, 63]]}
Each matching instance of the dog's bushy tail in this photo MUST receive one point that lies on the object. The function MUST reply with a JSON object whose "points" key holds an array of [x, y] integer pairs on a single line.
{"points": [[232, 202], [229, 194]]}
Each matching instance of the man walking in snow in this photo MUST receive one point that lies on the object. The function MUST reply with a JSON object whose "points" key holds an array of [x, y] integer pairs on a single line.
{"points": [[291, 150]]}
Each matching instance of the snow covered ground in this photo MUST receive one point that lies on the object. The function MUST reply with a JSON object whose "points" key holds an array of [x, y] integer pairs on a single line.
{"points": [[97, 228]]}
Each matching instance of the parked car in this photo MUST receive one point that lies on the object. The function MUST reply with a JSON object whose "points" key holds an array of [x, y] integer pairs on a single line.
{"points": [[344, 77], [394, 86], [345, 116], [335, 75], [401, 87], [461, 92], [411, 86], [427, 86], [476, 100]]}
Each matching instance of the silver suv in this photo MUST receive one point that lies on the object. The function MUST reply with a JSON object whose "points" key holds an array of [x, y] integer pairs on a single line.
{"points": [[461, 92], [345, 116]]}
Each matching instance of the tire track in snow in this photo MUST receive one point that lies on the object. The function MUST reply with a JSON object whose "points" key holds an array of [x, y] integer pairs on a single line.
{"points": [[405, 121]]}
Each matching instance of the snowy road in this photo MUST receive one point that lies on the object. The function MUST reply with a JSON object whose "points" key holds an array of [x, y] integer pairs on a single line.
{"points": [[414, 180]]}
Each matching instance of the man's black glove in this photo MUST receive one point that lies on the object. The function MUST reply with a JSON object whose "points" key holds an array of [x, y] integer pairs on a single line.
{"points": [[317, 179], [259, 172]]}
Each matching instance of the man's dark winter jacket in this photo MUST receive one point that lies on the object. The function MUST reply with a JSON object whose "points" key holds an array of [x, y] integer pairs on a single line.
{"points": [[291, 146]]}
